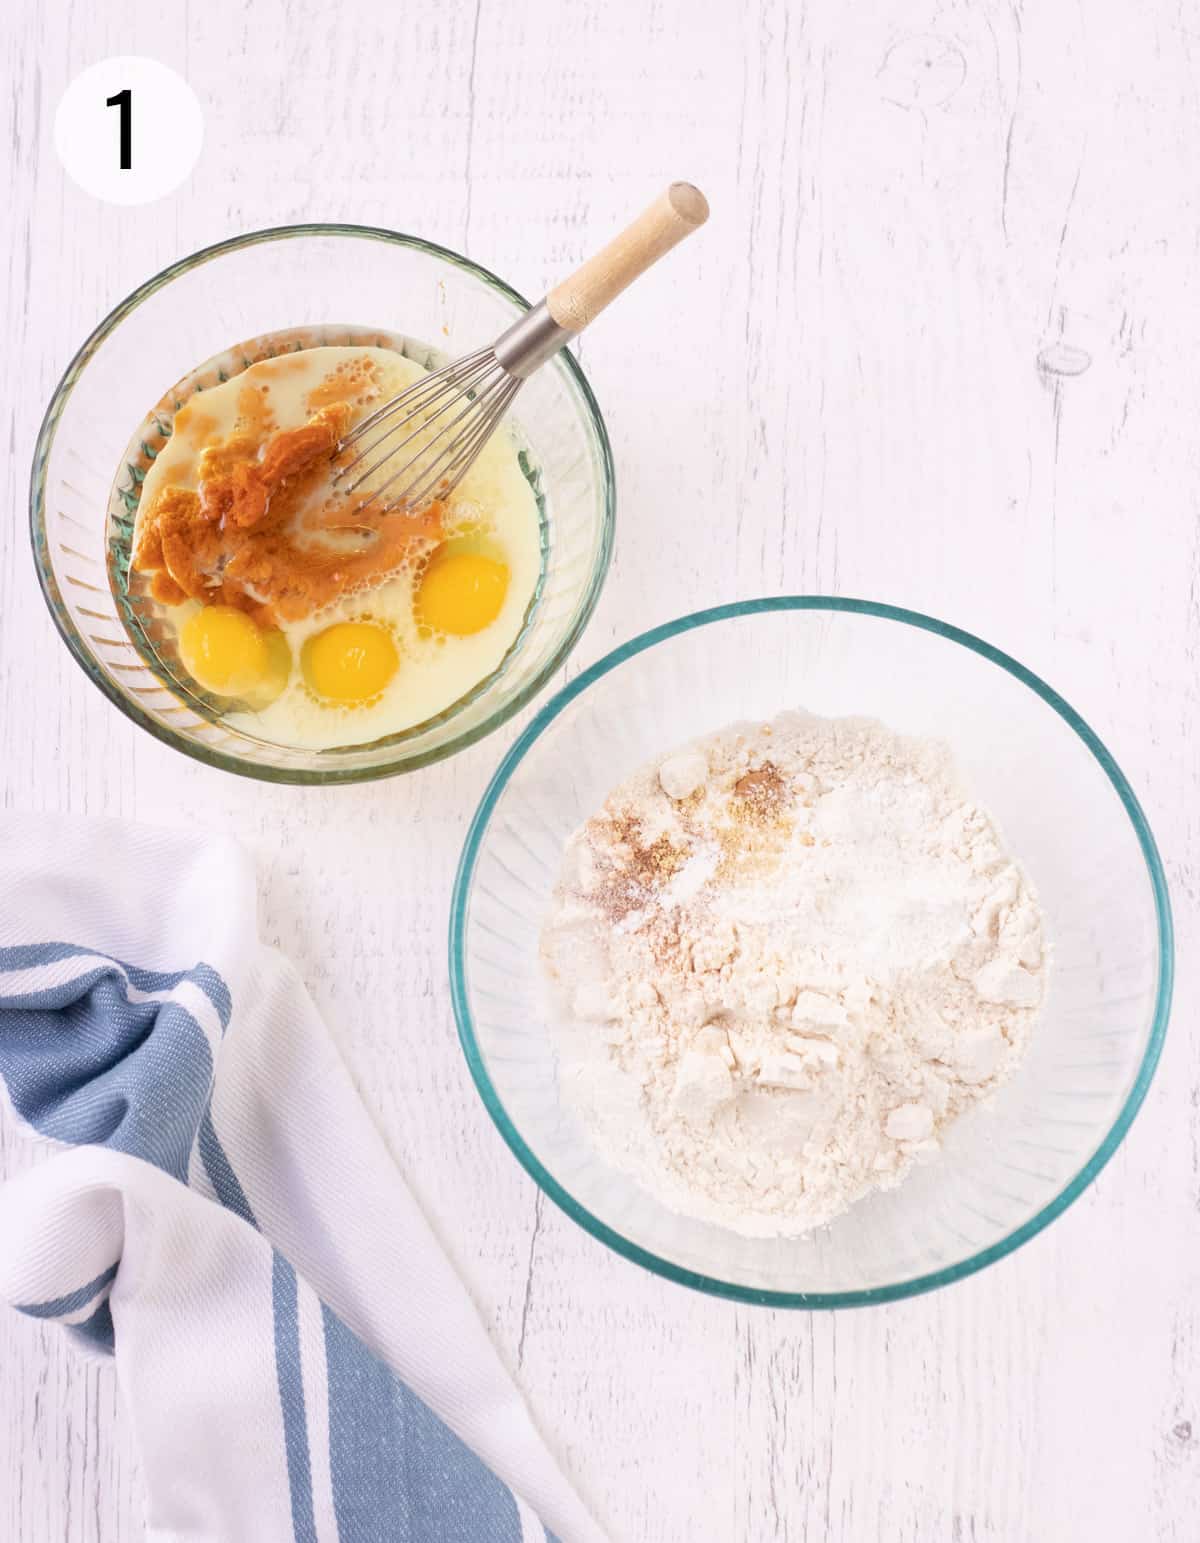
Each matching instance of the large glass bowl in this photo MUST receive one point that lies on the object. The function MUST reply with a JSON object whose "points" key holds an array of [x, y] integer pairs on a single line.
{"points": [[332, 279], [1008, 1167]]}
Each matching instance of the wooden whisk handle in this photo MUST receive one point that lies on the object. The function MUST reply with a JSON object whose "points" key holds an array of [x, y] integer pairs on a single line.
{"points": [[579, 299]]}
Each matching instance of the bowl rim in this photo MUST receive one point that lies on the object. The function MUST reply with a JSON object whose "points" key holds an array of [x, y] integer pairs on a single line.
{"points": [[710, 1285], [221, 759]]}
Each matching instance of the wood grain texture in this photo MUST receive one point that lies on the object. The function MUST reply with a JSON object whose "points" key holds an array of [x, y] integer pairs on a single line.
{"points": [[939, 345], [577, 300]]}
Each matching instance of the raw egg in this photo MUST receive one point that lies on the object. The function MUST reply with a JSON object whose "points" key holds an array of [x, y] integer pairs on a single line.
{"points": [[385, 655], [461, 592], [226, 653], [351, 662]]}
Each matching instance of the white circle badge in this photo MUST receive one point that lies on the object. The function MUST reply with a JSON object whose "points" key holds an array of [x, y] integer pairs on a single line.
{"points": [[128, 130]]}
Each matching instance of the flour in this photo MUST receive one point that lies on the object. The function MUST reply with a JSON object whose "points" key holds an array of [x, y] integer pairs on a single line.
{"points": [[787, 957]]}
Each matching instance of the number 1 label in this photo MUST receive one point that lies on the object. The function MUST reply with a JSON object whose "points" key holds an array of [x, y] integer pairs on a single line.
{"points": [[122, 153], [124, 100]]}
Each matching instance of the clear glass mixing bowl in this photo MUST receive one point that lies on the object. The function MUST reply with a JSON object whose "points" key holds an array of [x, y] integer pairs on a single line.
{"points": [[329, 278], [1007, 1168]]}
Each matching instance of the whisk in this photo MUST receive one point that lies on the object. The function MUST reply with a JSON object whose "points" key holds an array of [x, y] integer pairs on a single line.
{"points": [[444, 419]]}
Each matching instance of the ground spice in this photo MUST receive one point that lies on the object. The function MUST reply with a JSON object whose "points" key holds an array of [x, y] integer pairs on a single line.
{"points": [[634, 869]]}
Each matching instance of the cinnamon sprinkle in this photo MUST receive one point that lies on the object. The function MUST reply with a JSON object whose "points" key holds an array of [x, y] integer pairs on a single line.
{"points": [[633, 870], [760, 792]]}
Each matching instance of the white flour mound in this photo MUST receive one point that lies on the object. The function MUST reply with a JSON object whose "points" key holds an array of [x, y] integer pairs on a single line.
{"points": [[789, 955]]}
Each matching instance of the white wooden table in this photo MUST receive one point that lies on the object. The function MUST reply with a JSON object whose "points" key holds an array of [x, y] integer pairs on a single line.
{"points": [[835, 388]]}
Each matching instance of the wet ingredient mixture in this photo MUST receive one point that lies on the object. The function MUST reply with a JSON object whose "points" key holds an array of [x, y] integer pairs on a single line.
{"points": [[784, 960], [314, 618]]}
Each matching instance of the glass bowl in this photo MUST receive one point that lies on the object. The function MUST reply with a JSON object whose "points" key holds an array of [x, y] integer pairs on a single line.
{"points": [[336, 281], [1007, 1167]]}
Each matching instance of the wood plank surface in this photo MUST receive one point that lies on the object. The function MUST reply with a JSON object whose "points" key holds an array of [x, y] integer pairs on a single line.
{"points": [[862, 377]]}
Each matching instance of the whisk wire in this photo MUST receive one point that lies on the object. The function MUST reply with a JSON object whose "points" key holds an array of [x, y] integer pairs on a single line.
{"points": [[424, 423], [423, 459], [418, 388], [472, 443], [453, 388], [439, 477], [453, 474]]}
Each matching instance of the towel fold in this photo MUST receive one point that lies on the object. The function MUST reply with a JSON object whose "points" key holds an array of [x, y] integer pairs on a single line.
{"points": [[216, 1209]]}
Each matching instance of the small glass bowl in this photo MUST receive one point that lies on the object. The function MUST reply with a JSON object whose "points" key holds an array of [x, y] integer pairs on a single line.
{"points": [[317, 277], [1007, 1167]]}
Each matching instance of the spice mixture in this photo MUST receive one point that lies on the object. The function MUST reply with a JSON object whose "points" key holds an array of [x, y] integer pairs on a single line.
{"points": [[785, 958]]}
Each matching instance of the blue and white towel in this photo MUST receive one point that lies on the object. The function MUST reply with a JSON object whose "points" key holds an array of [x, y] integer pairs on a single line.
{"points": [[296, 1355]]}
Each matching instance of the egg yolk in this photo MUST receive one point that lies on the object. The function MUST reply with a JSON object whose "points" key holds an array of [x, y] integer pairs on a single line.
{"points": [[226, 653], [350, 662], [461, 593]]}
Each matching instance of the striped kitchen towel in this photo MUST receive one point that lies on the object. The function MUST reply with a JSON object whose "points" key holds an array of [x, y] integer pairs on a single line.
{"points": [[215, 1208]]}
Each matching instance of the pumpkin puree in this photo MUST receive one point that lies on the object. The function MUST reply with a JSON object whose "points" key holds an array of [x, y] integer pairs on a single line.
{"points": [[264, 531]]}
